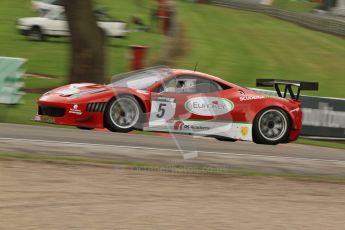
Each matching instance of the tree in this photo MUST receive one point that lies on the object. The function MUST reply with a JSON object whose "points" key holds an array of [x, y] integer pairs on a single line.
{"points": [[88, 43]]}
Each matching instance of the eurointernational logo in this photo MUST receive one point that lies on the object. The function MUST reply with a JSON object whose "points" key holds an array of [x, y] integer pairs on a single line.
{"points": [[209, 106]]}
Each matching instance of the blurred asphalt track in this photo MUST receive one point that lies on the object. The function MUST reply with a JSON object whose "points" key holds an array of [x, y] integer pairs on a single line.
{"points": [[151, 148]]}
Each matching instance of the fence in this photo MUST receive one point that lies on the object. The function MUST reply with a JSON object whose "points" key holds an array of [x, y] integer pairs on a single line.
{"points": [[316, 22]]}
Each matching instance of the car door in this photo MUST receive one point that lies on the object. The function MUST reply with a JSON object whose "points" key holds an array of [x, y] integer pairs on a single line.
{"points": [[190, 104], [203, 107], [56, 24]]}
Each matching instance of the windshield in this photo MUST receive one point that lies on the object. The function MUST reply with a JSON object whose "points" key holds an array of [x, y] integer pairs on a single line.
{"points": [[53, 2], [55, 14], [141, 79]]}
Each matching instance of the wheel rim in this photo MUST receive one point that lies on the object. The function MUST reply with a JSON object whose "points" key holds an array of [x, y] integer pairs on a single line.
{"points": [[272, 124], [124, 113]]}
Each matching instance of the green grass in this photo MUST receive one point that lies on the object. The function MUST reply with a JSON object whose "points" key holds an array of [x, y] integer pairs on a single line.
{"points": [[295, 5], [322, 143], [21, 114], [51, 57], [241, 46], [33, 83], [24, 113]]}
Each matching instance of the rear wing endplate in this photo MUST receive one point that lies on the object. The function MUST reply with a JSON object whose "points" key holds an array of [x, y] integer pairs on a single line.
{"points": [[300, 85]]}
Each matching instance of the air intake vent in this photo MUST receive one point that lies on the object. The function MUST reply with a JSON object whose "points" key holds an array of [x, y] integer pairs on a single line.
{"points": [[51, 111], [96, 107]]}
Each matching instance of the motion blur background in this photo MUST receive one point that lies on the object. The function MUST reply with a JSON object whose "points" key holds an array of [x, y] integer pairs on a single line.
{"points": [[235, 40], [103, 180]]}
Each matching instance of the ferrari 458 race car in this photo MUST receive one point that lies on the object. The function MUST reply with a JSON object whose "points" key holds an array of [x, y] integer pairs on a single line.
{"points": [[179, 101]]}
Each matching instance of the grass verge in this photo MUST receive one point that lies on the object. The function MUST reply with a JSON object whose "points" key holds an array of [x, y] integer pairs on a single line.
{"points": [[23, 113], [191, 169], [240, 46], [295, 5], [321, 143]]}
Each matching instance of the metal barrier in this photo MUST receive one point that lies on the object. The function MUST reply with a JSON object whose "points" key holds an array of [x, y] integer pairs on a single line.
{"points": [[316, 22], [322, 116], [11, 82]]}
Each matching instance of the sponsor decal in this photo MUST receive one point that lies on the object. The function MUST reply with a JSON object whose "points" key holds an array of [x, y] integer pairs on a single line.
{"points": [[180, 125], [244, 131], [251, 97], [75, 110], [209, 106]]}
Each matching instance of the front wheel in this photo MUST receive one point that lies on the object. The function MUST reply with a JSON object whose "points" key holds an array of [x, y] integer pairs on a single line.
{"points": [[35, 34], [271, 126], [123, 114]]}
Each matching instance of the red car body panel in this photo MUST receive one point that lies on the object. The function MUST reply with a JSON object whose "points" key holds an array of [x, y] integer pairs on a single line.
{"points": [[88, 110]]}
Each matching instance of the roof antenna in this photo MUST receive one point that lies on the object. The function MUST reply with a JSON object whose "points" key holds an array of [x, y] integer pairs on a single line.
{"points": [[196, 65]]}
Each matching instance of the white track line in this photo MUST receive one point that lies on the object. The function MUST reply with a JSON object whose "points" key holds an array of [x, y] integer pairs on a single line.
{"points": [[173, 150]]}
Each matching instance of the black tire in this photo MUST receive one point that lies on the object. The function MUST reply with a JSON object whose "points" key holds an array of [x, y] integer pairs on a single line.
{"points": [[271, 126], [35, 34], [85, 128], [114, 115]]}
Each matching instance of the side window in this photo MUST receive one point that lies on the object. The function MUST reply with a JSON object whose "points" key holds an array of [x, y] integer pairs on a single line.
{"points": [[168, 86], [58, 2], [61, 17], [186, 84], [190, 84], [207, 86], [181, 84], [102, 17]]}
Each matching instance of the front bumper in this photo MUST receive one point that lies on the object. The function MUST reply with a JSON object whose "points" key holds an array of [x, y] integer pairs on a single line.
{"points": [[62, 113], [23, 30], [294, 134]]}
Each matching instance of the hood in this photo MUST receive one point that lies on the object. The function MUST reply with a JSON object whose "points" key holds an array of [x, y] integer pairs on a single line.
{"points": [[78, 89], [31, 20]]}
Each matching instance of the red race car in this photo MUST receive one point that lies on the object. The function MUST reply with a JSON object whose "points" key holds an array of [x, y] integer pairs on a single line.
{"points": [[179, 101]]}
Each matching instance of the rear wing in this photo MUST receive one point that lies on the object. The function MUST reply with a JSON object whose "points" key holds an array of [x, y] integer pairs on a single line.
{"points": [[300, 85]]}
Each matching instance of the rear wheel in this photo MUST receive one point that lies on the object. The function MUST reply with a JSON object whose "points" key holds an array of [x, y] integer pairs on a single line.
{"points": [[271, 126], [123, 114]]}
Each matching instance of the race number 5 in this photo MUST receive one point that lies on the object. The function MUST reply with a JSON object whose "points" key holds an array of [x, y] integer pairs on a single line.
{"points": [[162, 111]]}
